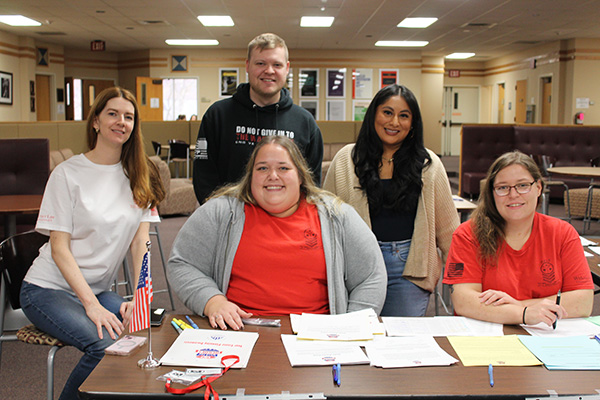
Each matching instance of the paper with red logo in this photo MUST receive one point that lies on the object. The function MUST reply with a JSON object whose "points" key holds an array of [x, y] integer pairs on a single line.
{"points": [[351, 326], [205, 348]]}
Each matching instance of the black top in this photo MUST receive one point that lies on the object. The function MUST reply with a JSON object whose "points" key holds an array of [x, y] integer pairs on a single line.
{"points": [[390, 225]]}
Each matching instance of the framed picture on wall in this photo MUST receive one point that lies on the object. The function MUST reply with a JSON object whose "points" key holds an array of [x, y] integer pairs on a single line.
{"points": [[312, 106], [336, 110], [362, 83], [387, 77], [229, 81], [336, 81], [308, 81], [359, 108], [6, 88], [179, 63]]}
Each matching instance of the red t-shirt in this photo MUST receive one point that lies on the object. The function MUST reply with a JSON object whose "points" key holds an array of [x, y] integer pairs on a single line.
{"points": [[279, 267], [551, 259]]}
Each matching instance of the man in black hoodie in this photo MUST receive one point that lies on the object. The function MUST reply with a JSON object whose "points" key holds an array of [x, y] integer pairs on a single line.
{"points": [[263, 107]]}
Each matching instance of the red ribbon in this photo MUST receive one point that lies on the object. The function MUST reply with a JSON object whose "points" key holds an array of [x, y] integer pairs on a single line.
{"points": [[204, 381]]}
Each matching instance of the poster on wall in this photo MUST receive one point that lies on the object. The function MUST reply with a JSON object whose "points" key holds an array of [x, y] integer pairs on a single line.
{"points": [[312, 106], [179, 63], [336, 110], [387, 77], [359, 109], [6, 88], [229, 81], [362, 83], [336, 79], [309, 82]]}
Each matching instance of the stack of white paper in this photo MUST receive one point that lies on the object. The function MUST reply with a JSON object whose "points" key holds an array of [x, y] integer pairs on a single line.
{"points": [[321, 352], [440, 326], [416, 351], [564, 327], [340, 327], [206, 348]]}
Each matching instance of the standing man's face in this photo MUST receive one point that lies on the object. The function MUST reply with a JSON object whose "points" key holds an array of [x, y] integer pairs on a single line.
{"points": [[267, 72]]}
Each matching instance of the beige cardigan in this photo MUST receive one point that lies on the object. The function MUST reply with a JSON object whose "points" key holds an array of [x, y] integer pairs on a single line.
{"points": [[435, 221]]}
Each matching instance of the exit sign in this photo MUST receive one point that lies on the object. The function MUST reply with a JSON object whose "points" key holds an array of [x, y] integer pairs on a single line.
{"points": [[454, 73], [98, 45]]}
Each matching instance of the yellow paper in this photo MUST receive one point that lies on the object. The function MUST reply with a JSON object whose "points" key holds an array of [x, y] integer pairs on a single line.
{"points": [[496, 350]]}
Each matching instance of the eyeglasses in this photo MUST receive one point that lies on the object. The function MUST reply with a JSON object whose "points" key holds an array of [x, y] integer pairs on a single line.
{"points": [[521, 188]]}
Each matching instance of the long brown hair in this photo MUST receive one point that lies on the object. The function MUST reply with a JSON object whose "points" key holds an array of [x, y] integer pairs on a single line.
{"points": [[488, 225], [242, 190], [143, 175]]}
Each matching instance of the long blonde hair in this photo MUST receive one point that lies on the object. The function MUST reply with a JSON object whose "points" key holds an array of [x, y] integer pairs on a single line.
{"points": [[143, 175], [488, 225]]}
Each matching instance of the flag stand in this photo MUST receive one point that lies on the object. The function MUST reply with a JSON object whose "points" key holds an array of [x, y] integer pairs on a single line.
{"points": [[149, 362]]}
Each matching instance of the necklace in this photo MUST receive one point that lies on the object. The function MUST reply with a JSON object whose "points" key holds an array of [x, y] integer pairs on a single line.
{"points": [[389, 160]]}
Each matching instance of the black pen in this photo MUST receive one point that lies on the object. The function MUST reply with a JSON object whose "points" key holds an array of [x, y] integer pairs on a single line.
{"points": [[558, 304]]}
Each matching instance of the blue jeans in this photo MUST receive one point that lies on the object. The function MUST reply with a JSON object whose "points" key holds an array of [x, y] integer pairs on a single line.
{"points": [[403, 298], [62, 315]]}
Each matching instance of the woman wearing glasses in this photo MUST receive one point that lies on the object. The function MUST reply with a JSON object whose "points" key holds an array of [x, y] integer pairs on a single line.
{"points": [[508, 263]]}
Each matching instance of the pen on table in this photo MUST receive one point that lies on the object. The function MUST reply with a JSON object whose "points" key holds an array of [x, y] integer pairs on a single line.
{"points": [[177, 328], [337, 372], [191, 321], [558, 304], [491, 374], [597, 337]]}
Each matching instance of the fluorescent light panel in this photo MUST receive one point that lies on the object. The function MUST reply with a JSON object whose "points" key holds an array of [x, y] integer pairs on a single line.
{"points": [[215, 20], [459, 56], [316, 22], [192, 42], [416, 22], [18, 20], [401, 43]]}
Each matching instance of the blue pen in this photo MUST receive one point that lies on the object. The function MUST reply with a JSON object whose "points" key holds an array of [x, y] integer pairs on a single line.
{"points": [[192, 323], [491, 374], [337, 374], [177, 328], [597, 337]]}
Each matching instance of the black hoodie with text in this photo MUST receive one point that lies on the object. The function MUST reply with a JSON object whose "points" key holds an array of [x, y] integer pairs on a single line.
{"points": [[231, 127]]}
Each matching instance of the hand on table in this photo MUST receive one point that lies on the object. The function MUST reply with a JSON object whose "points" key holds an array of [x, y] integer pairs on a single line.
{"points": [[221, 312], [546, 311]]}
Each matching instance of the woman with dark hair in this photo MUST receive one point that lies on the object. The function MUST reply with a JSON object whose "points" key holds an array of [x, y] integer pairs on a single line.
{"points": [[275, 244], [401, 191], [96, 206], [508, 263]]}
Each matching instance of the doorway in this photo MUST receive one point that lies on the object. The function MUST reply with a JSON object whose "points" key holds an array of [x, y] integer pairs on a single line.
{"points": [[501, 90], [42, 98], [461, 106], [521, 102], [180, 97], [546, 85]]}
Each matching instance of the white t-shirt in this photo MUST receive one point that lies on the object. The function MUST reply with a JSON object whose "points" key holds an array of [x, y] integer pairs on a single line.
{"points": [[94, 204]]}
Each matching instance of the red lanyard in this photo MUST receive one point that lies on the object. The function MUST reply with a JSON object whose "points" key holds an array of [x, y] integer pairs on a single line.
{"points": [[204, 381]]}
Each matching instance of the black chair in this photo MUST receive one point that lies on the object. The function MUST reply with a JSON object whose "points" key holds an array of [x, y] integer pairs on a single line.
{"points": [[157, 147], [179, 151], [16, 256], [544, 162]]}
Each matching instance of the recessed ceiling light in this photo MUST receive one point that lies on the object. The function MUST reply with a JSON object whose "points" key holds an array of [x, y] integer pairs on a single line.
{"points": [[215, 20], [416, 22], [192, 42], [401, 43], [18, 20], [459, 56], [316, 22]]}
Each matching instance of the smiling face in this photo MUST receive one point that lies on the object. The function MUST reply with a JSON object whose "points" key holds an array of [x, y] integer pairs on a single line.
{"points": [[267, 71], [393, 121], [115, 122], [275, 181], [516, 207]]}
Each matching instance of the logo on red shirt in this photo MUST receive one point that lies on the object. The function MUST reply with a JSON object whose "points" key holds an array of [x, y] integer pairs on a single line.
{"points": [[547, 270], [455, 270]]}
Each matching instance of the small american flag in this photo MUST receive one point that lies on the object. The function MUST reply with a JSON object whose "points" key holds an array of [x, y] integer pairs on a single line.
{"points": [[141, 317]]}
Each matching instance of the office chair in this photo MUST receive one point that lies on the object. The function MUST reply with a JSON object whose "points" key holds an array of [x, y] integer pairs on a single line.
{"points": [[544, 162], [16, 256], [179, 151]]}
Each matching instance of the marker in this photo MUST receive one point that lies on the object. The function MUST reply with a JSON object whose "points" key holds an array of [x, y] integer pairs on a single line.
{"points": [[182, 324], [191, 321], [491, 374], [558, 304], [177, 328], [337, 374]]}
